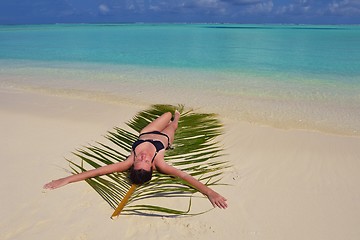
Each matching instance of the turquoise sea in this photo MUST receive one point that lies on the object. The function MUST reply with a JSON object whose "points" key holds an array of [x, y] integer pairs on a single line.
{"points": [[288, 76]]}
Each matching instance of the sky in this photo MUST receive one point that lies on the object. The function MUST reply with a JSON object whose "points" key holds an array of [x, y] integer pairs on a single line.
{"points": [[180, 11]]}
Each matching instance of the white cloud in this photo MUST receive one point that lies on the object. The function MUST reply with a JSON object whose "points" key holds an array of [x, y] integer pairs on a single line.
{"points": [[285, 9], [299, 7], [104, 9], [208, 7], [208, 3], [154, 8], [262, 7], [202, 4], [345, 7], [242, 2]]}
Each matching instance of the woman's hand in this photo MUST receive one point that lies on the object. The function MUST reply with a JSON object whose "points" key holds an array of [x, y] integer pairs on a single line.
{"points": [[56, 183], [217, 200], [116, 167]]}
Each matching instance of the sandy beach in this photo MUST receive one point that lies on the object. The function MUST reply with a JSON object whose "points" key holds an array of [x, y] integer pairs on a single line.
{"points": [[284, 184]]}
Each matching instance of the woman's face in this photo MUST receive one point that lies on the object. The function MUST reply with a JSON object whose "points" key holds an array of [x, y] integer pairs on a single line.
{"points": [[142, 161]]}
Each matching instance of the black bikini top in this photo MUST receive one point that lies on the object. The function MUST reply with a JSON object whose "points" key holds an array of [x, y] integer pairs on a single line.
{"points": [[157, 144]]}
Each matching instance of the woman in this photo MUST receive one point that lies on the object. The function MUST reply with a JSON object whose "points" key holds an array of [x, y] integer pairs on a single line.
{"points": [[148, 154]]}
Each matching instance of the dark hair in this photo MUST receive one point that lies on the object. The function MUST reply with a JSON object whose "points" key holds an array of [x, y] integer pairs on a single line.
{"points": [[139, 176]]}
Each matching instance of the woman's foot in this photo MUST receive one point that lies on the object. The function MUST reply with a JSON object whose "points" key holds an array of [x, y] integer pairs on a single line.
{"points": [[176, 116]]}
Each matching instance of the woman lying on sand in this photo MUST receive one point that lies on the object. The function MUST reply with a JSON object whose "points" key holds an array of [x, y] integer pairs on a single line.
{"points": [[147, 154]]}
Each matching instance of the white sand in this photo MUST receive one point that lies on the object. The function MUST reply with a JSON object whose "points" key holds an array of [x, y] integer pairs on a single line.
{"points": [[286, 184]]}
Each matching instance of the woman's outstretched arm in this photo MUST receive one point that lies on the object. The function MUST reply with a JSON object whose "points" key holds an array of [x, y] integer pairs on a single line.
{"points": [[215, 198], [116, 167]]}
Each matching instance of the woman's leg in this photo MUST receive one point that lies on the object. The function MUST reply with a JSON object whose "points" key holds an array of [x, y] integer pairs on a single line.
{"points": [[171, 127], [158, 124]]}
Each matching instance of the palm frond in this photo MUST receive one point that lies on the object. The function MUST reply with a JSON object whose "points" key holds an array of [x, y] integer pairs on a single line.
{"points": [[195, 151]]}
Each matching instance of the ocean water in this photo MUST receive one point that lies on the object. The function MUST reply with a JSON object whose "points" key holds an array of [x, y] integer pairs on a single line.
{"points": [[285, 76]]}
